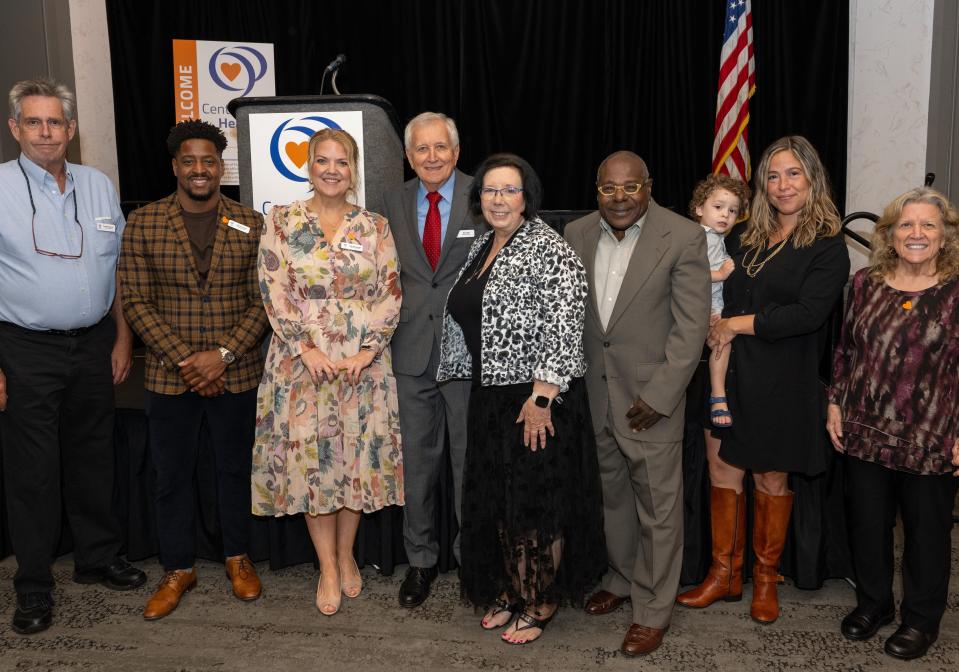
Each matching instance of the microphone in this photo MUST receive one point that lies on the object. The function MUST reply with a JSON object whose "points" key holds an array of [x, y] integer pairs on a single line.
{"points": [[336, 63]]}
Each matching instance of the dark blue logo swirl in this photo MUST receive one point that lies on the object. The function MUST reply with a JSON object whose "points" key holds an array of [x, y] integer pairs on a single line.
{"points": [[248, 58]]}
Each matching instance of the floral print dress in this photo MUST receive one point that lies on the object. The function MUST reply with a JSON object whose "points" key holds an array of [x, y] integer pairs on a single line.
{"points": [[324, 446]]}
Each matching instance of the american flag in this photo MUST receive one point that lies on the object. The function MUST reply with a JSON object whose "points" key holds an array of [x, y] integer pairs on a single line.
{"points": [[737, 84]]}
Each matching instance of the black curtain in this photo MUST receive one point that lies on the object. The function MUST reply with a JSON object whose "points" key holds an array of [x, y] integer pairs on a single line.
{"points": [[560, 82]]}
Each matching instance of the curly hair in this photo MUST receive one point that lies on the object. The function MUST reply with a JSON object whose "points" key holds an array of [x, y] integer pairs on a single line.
{"points": [[344, 140], [818, 217], [884, 260], [712, 183], [194, 129]]}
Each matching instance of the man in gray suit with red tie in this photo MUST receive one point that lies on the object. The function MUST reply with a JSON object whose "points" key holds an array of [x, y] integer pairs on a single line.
{"points": [[433, 231]]}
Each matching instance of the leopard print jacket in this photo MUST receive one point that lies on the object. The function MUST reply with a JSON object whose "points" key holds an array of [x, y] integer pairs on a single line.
{"points": [[532, 313]]}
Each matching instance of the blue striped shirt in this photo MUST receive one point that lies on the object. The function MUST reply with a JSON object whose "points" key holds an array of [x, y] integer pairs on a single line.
{"points": [[44, 292]]}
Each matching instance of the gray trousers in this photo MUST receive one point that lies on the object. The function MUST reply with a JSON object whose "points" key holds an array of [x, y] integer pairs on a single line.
{"points": [[643, 508], [427, 411]]}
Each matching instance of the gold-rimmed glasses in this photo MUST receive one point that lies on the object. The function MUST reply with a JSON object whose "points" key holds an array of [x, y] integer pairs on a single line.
{"points": [[629, 189]]}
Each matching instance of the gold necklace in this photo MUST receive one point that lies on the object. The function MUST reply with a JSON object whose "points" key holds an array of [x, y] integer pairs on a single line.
{"points": [[752, 268]]}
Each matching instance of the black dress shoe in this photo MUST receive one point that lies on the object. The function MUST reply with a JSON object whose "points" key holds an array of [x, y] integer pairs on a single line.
{"points": [[118, 575], [907, 643], [416, 586], [34, 613], [861, 623]]}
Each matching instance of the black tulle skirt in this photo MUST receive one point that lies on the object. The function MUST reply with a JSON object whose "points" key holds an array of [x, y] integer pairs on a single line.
{"points": [[523, 511]]}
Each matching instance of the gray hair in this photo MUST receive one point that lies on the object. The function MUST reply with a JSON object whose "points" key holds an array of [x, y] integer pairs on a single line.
{"points": [[425, 117], [42, 86]]}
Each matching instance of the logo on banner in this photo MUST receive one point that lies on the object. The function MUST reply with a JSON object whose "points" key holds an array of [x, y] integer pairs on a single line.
{"points": [[289, 144], [246, 68]]}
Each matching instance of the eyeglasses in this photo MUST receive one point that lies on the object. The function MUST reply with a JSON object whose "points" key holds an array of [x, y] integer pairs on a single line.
{"points": [[34, 124], [33, 222], [505, 192], [630, 189]]}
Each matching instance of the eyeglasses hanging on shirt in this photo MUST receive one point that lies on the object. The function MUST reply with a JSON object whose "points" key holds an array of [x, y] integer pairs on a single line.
{"points": [[33, 222]]}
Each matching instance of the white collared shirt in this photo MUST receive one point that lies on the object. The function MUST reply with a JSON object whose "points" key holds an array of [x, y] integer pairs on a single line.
{"points": [[612, 260]]}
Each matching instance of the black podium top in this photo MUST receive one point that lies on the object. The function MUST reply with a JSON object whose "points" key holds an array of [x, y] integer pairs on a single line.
{"points": [[367, 98]]}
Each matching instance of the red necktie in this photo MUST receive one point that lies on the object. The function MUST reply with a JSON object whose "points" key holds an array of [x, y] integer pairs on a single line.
{"points": [[431, 231]]}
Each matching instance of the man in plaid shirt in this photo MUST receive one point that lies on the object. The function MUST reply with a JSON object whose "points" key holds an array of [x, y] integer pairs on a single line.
{"points": [[188, 266]]}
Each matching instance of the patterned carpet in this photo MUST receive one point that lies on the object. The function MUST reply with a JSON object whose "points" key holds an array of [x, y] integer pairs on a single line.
{"points": [[97, 629]]}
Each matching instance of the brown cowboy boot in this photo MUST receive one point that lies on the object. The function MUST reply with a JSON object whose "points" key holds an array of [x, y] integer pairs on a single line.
{"points": [[727, 511], [769, 536]]}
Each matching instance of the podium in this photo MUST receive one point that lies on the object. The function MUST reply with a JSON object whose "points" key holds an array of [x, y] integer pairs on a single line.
{"points": [[272, 136]]}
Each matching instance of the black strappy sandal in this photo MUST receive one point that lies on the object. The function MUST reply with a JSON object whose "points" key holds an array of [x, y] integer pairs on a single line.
{"points": [[499, 606], [531, 622]]}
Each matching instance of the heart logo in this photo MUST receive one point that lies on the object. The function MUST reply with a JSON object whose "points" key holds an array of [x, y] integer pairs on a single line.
{"points": [[231, 70], [297, 152]]}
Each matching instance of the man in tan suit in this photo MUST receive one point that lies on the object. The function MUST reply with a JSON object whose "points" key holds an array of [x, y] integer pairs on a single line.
{"points": [[646, 321]]}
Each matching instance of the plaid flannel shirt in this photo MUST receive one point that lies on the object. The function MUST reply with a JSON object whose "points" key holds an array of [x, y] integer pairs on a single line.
{"points": [[165, 304]]}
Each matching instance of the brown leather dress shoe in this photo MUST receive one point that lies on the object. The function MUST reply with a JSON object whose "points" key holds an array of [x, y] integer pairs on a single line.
{"points": [[167, 596], [242, 573], [603, 602], [641, 640]]}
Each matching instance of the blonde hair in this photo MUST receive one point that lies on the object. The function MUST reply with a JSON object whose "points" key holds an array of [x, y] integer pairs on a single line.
{"points": [[344, 140], [884, 260], [818, 217]]}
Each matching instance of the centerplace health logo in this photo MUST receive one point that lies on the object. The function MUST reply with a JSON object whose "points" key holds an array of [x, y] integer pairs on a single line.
{"points": [[237, 68], [208, 75], [289, 145]]}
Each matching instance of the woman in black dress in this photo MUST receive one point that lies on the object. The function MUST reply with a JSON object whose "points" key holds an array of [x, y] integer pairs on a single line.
{"points": [[790, 271], [532, 528]]}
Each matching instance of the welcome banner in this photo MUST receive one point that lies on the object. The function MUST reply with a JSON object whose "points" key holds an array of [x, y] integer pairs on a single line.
{"points": [[208, 75]]}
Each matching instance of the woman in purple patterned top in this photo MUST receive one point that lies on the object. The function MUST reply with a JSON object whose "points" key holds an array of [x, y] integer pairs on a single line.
{"points": [[894, 411]]}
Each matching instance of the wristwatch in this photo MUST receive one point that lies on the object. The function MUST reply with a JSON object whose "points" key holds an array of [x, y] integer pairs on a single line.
{"points": [[226, 356], [541, 401]]}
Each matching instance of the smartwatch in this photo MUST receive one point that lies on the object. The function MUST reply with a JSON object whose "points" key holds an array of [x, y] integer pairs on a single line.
{"points": [[541, 401]]}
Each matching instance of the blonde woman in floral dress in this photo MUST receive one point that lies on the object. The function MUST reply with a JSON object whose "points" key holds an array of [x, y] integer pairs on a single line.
{"points": [[327, 430]]}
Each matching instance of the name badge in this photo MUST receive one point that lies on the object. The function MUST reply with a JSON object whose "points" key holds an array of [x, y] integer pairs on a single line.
{"points": [[242, 228], [466, 233], [106, 226], [351, 246]]}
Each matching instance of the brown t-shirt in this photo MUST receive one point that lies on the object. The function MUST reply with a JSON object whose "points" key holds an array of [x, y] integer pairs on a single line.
{"points": [[201, 230]]}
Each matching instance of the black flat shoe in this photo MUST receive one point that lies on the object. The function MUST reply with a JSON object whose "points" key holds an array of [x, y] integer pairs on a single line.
{"points": [[861, 624], [416, 586], [907, 643], [34, 613], [118, 575]]}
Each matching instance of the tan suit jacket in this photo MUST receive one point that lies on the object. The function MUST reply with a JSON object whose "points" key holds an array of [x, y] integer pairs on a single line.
{"points": [[655, 334]]}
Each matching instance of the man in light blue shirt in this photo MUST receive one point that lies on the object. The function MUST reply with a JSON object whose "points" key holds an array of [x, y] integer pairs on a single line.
{"points": [[60, 353]]}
